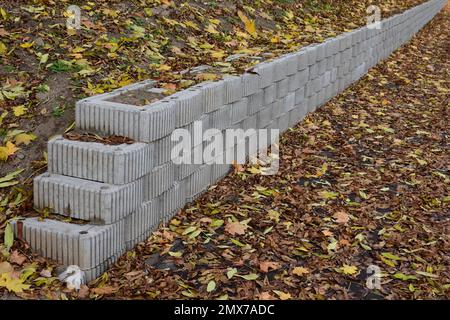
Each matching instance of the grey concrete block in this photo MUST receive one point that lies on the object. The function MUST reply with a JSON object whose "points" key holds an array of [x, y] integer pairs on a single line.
{"points": [[197, 128], [119, 164], [270, 94], [302, 59], [108, 118], [264, 117], [141, 223], [87, 246], [250, 122], [277, 108], [188, 105], [282, 88], [283, 122], [86, 200], [280, 69], [320, 55], [294, 82], [312, 54], [288, 102], [158, 181], [172, 200], [265, 70], [313, 71], [213, 95], [198, 182], [299, 95], [162, 150], [156, 121], [233, 89], [291, 60], [255, 102], [250, 84], [239, 110], [221, 118]]}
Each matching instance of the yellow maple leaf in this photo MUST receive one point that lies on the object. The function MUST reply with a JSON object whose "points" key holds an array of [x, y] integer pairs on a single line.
{"points": [[19, 110], [250, 25], [346, 269], [7, 150], [24, 138], [11, 284], [3, 48]]}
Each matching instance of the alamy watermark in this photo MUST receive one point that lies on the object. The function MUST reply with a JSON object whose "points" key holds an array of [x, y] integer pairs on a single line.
{"points": [[373, 280], [231, 146]]}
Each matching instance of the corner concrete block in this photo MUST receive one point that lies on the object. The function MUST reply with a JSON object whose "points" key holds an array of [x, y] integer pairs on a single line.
{"points": [[108, 118], [157, 120], [87, 246], [239, 110], [255, 102], [113, 164], [158, 181], [86, 200], [250, 84], [140, 224], [233, 89]]}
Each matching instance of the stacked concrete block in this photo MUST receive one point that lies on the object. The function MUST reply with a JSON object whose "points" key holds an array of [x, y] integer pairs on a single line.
{"points": [[113, 164], [86, 200], [123, 192], [87, 246], [140, 224]]}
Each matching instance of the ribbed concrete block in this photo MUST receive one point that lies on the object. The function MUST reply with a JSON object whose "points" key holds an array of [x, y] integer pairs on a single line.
{"points": [[291, 60], [213, 95], [288, 103], [302, 59], [282, 88], [294, 82], [86, 200], [172, 200], [320, 55], [233, 89], [264, 117], [250, 84], [265, 70], [299, 95], [198, 182], [255, 102], [157, 120], [197, 128], [162, 150], [87, 246], [313, 71], [280, 69], [311, 51], [140, 224], [158, 181], [239, 110], [221, 118], [277, 108], [283, 122], [270, 94], [250, 122], [108, 118], [118, 164], [188, 106]]}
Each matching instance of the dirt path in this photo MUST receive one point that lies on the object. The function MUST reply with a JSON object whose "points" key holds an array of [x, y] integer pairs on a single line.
{"points": [[364, 181]]}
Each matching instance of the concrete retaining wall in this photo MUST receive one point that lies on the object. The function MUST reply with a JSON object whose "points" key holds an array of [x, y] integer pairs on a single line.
{"points": [[125, 191]]}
